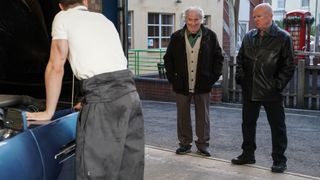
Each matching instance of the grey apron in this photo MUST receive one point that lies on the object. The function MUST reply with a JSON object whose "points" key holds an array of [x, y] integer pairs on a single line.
{"points": [[110, 130]]}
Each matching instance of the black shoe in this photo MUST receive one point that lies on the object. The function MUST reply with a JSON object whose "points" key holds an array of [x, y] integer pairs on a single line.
{"points": [[244, 159], [278, 167], [204, 152], [183, 150]]}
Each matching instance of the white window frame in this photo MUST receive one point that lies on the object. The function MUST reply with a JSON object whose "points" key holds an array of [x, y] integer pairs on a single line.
{"points": [[239, 39], [160, 25], [130, 30]]}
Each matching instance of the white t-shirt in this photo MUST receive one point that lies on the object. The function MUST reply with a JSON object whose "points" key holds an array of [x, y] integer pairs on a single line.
{"points": [[94, 43]]}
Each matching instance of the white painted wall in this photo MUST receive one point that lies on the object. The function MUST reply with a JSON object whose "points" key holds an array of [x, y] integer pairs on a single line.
{"points": [[141, 8]]}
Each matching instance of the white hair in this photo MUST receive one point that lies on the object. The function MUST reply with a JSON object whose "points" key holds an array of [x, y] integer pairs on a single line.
{"points": [[195, 9]]}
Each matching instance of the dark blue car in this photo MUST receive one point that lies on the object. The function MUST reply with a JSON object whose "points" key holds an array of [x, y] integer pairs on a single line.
{"points": [[32, 151]]}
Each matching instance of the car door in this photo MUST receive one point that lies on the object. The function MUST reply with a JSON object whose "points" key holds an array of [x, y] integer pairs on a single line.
{"points": [[20, 158], [42, 151], [56, 141]]}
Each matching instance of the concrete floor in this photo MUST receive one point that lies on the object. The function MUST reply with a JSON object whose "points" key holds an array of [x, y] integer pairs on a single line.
{"points": [[164, 164], [303, 128]]}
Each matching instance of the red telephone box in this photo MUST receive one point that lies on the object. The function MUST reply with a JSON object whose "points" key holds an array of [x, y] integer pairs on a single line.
{"points": [[298, 24]]}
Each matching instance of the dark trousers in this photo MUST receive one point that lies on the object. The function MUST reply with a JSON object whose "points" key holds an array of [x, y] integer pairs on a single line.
{"points": [[276, 119], [202, 122], [110, 130]]}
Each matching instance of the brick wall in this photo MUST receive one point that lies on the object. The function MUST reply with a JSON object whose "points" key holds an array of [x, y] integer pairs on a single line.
{"points": [[154, 89], [226, 36], [160, 90]]}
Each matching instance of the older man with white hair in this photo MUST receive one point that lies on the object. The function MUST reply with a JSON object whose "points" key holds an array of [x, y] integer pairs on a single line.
{"points": [[193, 63]]}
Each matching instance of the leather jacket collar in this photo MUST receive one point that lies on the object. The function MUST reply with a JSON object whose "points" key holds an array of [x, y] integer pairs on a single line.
{"points": [[272, 30]]}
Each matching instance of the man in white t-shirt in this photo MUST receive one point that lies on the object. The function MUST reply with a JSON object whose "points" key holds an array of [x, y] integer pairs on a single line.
{"points": [[110, 132]]}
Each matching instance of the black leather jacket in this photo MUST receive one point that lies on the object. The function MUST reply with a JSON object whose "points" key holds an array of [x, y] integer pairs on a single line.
{"points": [[209, 62], [264, 69]]}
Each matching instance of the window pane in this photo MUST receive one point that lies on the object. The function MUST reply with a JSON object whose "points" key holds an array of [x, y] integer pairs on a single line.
{"points": [[153, 43], [129, 43], [243, 28], [153, 31], [129, 17], [167, 19], [166, 30], [129, 31], [153, 18], [242, 31], [165, 42]]}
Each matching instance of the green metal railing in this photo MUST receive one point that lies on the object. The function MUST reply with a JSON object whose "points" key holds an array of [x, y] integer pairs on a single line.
{"points": [[144, 61]]}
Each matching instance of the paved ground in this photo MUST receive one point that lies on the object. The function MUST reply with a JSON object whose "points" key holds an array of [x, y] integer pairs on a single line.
{"points": [[303, 135], [164, 164]]}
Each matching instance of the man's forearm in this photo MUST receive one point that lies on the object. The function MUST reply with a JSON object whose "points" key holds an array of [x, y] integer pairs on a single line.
{"points": [[53, 80]]}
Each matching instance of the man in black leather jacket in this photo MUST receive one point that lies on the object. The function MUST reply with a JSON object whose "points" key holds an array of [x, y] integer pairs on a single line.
{"points": [[264, 67], [193, 63]]}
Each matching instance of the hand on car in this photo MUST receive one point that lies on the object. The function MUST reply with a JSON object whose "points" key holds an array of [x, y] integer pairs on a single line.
{"points": [[38, 116]]}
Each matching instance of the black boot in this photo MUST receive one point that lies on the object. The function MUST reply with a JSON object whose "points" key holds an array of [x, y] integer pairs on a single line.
{"points": [[244, 159]]}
